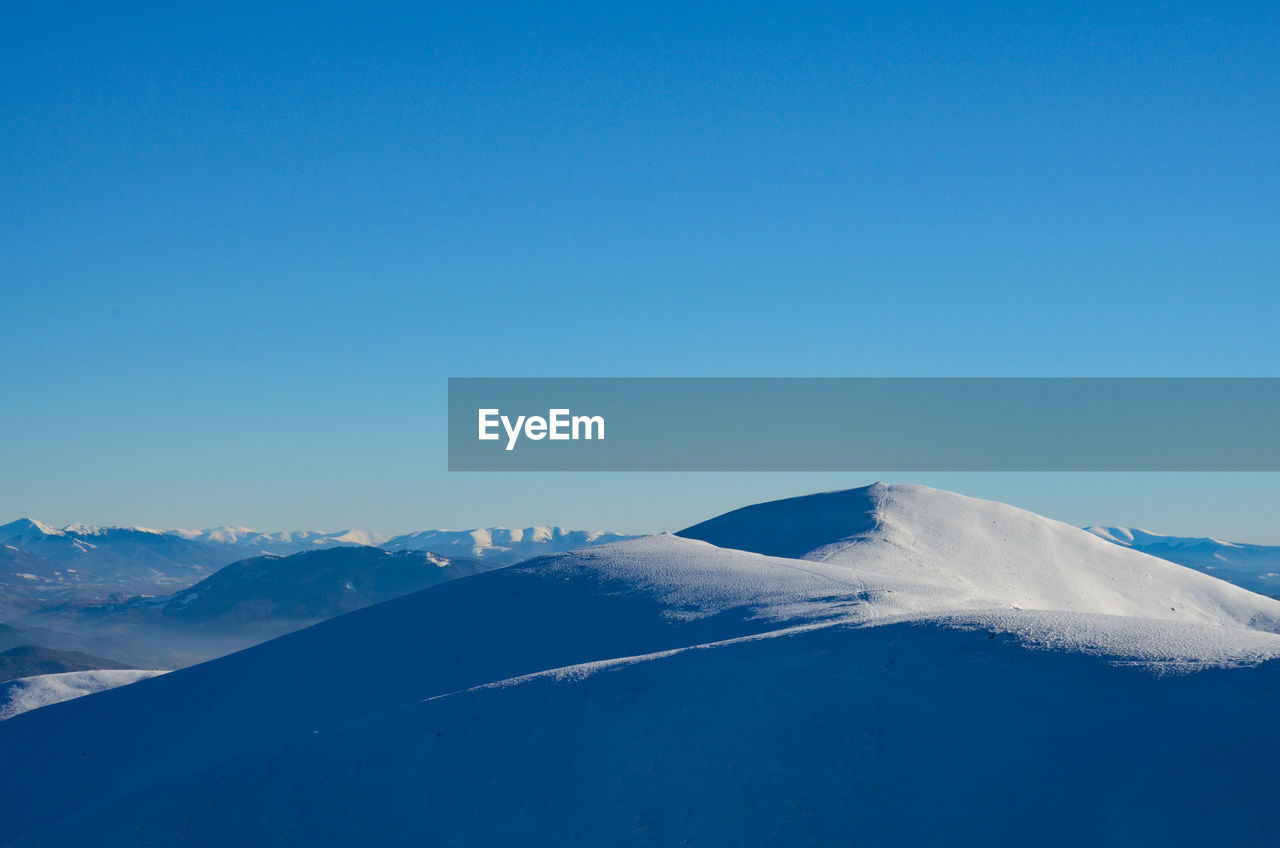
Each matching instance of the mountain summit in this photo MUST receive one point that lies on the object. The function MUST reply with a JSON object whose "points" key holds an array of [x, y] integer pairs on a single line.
{"points": [[25, 530], [919, 552]]}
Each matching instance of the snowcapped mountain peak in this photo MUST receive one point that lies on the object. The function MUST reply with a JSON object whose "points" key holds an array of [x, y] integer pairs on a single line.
{"points": [[27, 528], [79, 529], [920, 553], [356, 537]]}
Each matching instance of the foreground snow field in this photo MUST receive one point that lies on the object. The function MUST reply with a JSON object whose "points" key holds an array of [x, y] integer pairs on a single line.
{"points": [[842, 668]]}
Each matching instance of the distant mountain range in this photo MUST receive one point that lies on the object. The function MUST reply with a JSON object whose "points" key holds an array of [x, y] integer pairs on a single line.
{"points": [[38, 561], [284, 542], [33, 554], [495, 544], [1254, 567], [173, 597]]}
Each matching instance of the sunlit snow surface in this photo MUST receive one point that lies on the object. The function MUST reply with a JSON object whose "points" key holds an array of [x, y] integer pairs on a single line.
{"points": [[921, 553], [29, 693]]}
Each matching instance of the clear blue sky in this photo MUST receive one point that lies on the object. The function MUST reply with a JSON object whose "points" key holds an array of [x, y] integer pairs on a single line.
{"points": [[243, 246]]}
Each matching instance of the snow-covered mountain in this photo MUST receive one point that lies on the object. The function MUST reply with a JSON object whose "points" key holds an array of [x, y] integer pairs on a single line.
{"points": [[1255, 567], [799, 672], [920, 552], [36, 537], [283, 543], [25, 531], [126, 559]]}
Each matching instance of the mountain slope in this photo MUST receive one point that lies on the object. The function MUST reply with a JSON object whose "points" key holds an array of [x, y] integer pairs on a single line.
{"points": [[898, 735], [311, 585], [664, 690]]}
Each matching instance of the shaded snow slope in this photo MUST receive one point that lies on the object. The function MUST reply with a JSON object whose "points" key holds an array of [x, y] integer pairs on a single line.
{"points": [[29, 693], [899, 736]]}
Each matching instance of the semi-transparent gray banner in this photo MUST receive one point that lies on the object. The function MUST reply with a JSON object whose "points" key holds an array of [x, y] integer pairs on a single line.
{"points": [[860, 424]]}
